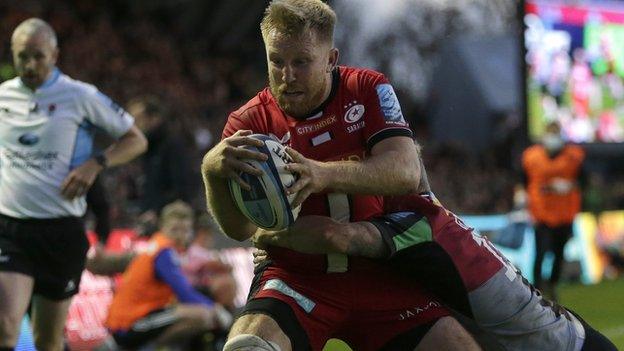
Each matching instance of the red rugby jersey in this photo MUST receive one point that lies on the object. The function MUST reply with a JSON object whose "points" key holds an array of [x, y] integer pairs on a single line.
{"points": [[361, 110]]}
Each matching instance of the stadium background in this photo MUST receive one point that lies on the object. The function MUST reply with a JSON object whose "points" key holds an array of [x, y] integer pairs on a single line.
{"points": [[459, 72]]}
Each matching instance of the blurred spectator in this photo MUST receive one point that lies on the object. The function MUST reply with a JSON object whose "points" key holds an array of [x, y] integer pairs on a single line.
{"points": [[178, 57], [480, 187], [98, 204], [615, 255], [204, 267], [553, 172], [593, 194], [154, 300], [167, 174]]}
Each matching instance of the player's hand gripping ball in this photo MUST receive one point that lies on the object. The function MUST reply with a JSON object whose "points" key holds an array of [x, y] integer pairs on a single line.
{"points": [[267, 204]]}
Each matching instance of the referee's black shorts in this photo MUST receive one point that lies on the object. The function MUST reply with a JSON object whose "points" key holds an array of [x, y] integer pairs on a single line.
{"points": [[52, 251]]}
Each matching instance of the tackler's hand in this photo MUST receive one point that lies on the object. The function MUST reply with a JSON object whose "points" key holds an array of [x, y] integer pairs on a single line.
{"points": [[309, 234], [264, 238]]}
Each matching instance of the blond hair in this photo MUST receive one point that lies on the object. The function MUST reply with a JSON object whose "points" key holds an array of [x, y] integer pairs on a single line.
{"points": [[176, 210], [295, 17]]}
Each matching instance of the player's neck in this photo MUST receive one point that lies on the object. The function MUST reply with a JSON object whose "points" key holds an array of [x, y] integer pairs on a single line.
{"points": [[328, 89], [331, 86]]}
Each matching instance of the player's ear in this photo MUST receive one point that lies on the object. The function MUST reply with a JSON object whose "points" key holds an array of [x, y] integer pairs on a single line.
{"points": [[55, 54], [333, 59]]}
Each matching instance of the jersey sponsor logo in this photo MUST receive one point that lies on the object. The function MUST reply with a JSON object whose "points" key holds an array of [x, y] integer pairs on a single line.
{"points": [[354, 113], [389, 104], [43, 160], [28, 139], [355, 127], [414, 311], [311, 128], [284, 140]]}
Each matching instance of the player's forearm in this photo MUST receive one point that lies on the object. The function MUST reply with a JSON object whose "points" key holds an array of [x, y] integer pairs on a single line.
{"points": [[365, 240], [354, 239], [324, 235], [128, 147], [224, 211], [392, 173]]}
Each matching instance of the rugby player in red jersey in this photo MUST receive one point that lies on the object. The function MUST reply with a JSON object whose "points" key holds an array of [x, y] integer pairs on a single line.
{"points": [[427, 243], [351, 119]]}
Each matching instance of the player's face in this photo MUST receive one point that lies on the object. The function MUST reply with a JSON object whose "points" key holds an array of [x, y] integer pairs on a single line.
{"points": [[299, 71], [180, 230], [34, 58]]}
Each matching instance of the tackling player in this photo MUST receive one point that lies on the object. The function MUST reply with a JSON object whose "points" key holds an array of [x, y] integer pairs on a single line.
{"points": [[47, 121], [331, 113]]}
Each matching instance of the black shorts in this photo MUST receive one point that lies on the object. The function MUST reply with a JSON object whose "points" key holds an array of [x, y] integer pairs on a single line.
{"points": [[52, 251], [146, 329]]}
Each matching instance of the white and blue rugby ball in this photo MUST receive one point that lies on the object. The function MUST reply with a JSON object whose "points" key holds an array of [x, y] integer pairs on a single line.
{"points": [[267, 204]]}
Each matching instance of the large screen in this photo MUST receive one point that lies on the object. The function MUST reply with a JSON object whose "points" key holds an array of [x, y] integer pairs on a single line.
{"points": [[575, 69]]}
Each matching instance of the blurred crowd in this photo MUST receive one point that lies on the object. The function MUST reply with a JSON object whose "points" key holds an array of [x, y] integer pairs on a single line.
{"points": [[156, 51]]}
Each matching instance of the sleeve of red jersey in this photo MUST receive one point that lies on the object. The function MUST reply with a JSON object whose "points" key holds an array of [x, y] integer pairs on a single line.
{"points": [[384, 118], [235, 123]]}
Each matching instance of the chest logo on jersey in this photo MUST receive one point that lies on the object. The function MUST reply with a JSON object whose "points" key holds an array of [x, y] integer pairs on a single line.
{"points": [[28, 139], [354, 113], [355, 127], [311, 128]]}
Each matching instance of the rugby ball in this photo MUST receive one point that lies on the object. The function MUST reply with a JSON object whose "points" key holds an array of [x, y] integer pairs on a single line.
{"points": [[267, 204]]}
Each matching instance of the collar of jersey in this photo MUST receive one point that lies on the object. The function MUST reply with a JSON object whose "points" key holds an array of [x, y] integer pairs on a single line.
{"points": [[54, 75], [334, 88]]}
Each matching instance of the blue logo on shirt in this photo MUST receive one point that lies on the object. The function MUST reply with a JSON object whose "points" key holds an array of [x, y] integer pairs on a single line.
{"points": [[28, 139], [389, 103]]}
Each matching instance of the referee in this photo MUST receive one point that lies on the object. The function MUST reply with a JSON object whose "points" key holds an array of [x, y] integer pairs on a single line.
{"points": [[47, 120]]}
